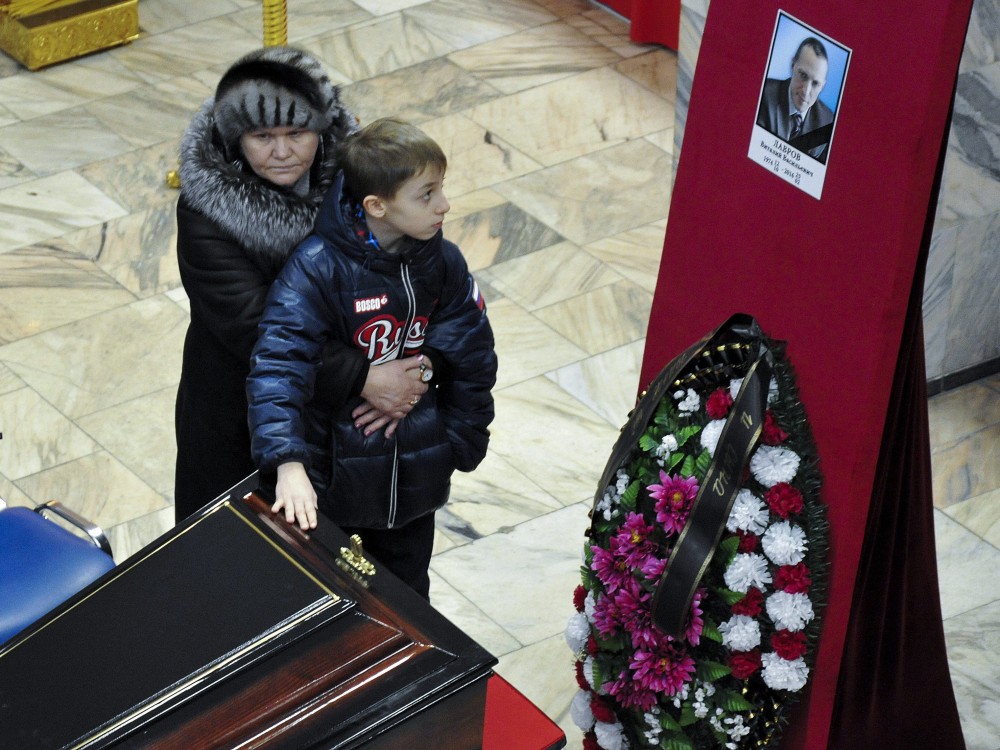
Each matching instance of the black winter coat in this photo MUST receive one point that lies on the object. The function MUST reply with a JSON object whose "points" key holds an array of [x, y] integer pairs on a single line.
{"points": [[234, 233], [389, 306]]}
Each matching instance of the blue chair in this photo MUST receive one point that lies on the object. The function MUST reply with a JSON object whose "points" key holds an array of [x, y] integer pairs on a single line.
{"points": [[43, 564]]}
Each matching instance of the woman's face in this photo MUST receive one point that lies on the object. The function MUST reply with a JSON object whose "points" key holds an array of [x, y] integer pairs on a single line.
{"points": [[280, 155]]}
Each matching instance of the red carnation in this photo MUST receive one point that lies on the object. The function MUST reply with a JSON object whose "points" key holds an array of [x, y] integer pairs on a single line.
{"points": [[718, 403], [744, 663], [788, 645], [793, 578], [581, 680], [601, 711], [751, 604], [592, 648], [748, 541], [579, 596], [772, 434], [590, 742], [783, 499]]}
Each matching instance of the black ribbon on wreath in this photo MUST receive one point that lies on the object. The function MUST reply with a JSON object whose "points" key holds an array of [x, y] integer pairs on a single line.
{"points": [[735, 349]]}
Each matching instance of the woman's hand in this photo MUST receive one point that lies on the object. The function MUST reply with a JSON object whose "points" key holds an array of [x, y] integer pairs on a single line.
{"points": [[295, 494], [391, 391]]}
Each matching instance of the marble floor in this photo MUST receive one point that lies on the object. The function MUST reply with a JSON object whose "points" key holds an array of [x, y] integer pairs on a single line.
{"points": [[559, 133]]}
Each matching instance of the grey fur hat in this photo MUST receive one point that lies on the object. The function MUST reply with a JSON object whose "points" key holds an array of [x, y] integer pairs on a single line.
{"points": [[275, 87]]}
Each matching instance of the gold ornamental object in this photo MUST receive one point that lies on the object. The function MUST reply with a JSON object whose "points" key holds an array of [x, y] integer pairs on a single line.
{"points": [[38, 33], [275, 23]]}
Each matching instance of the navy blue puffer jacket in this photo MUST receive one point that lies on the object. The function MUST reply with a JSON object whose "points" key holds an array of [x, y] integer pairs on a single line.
{"points": [[389, 306]]}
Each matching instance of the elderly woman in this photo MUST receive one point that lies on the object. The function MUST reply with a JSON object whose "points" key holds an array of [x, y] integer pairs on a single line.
{"points": [[256, 162]]}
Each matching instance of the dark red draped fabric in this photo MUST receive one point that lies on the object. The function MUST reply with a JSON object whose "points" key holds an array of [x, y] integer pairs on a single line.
{"points": [[839, 279], [652, 21]]}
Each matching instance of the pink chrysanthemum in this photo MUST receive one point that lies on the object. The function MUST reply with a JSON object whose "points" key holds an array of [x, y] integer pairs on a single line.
{"points": [[611, 570], [607, 617], [673, 497], [630, 694], [663, 671], [632, 542]]}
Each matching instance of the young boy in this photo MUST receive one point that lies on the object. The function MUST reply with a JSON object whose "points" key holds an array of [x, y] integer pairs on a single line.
{"points": [[378, 274]]}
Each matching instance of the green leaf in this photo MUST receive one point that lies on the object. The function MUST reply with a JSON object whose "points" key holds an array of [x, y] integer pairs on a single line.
{"points": [[668, 722], [702, 463], [733, 702], [677, 742], [686, 433], [631, 495], [728, 596], [688, 467], [711, 632], [687, 717], [710, 671], [648, 444]]}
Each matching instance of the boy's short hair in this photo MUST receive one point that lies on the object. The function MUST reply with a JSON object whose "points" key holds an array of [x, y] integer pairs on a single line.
{"points": [[380, 157]]}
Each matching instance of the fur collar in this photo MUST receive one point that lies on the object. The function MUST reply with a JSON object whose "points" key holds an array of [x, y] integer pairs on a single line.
{"points": [[264, 219]]}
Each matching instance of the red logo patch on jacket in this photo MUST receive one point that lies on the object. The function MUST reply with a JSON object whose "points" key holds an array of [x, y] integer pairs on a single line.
{"points": [[381, 337]]}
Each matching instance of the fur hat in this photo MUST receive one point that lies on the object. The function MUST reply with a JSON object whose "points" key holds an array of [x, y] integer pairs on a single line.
{"points": [[275, 87]]}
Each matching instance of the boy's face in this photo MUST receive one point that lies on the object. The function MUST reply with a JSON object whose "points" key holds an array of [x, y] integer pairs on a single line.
{"points": [[417, 209]]}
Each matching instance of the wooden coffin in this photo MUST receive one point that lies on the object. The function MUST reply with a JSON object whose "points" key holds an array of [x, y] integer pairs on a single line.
{"points": [[236, 630]]}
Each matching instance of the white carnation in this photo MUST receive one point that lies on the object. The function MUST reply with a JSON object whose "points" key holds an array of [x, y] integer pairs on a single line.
{"points": [[737, 383], [577, 632], [784, 543], [580, 711], [749, 514], [610, 736], [740, 633], [747, 571], [589, 605], [789, 611], [691, 400], [782, 674], [667, 446], [710, 435], [771, 465]]}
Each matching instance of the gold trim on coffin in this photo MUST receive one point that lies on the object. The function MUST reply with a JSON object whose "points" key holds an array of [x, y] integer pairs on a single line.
{"points": [[68, 31]]}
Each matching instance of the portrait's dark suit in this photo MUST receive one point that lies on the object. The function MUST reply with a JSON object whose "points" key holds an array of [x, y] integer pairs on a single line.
{"points": [[773, 116]]}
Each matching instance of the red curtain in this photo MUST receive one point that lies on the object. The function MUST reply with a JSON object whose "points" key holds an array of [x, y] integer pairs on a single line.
{"points": [[652, 21]]}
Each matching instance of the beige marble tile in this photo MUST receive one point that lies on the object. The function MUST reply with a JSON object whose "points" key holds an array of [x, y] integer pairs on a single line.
{"points": [[137, 180], [563, 8], [497, 234], [664, 139], [607, 383], [473, 203], [493, 498], [550, 275], [12, 171], [576, 115], [609, 29], [534, 57], [476, 157], [634, 254], [98, 487], [655, 69], [553, 439], [958, 413], [34, 94], [523, 580], [377, 47], [152, 113], [139, 251], [50, 207], [418, 93], [12, 494], [105, 360], [472, 621], [603, 318], [599, 195], [62, 140], [980, 515], [36, 436], [968, 567], [165, 15], [973, 647], [385, 7], [8, 380], [46, 286], [525, 346], [129, 537], [465, 23], [967, 468], [545, 674], [186, 50], [140, 434], [6, 116]]}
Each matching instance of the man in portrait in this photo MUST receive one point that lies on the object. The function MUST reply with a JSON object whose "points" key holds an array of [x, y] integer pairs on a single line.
{"points": [[791, 109]]}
